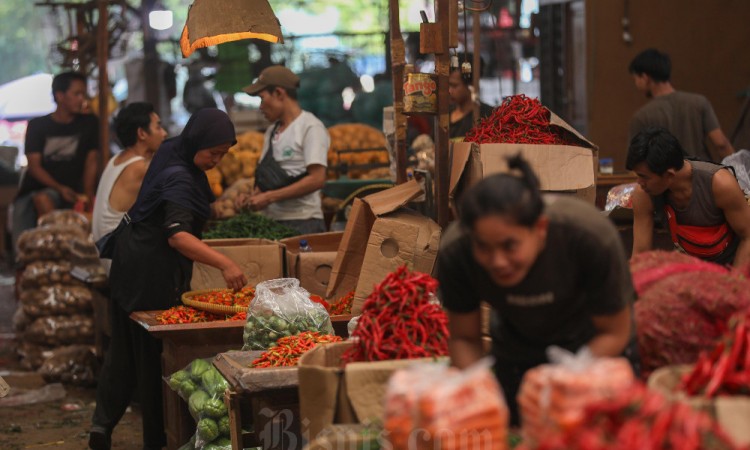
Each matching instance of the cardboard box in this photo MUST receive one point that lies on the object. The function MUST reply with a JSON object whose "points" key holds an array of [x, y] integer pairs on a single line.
{"points": [[330, 394], [560, 168], [381, 236], [312, 269], [260, 260]]}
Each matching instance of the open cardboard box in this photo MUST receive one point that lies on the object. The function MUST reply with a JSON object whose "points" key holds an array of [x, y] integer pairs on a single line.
{"points": [[312, 269], [259, 259], [380, 236], [560, 168], [330, 394]]}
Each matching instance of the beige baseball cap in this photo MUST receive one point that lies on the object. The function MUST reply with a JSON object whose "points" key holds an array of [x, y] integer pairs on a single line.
{"points": [[273, 76]]}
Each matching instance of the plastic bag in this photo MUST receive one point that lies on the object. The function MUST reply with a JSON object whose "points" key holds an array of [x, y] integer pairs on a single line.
{"points": [[56, 243], [352, 325], [436, 406], [224, 207], [620, 196], [65, 217], [61, 330], [202, 387], [282, 308], [56, 300], [553, 396], [47, 273], [33, 355], [75, 365]]}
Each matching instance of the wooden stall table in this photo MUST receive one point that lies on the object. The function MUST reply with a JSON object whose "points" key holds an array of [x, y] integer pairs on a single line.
{"points": [[263, 404], [182, 343]]}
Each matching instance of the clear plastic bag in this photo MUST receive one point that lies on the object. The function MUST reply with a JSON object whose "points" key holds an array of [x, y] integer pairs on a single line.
{"points": [[202, 387], [56, 300], [282, 308], [56, 243], [224, 207], [553, 396], [65, 217], [75, 364], [620, 196], [33, 355], [61, 330], [47, 273]]}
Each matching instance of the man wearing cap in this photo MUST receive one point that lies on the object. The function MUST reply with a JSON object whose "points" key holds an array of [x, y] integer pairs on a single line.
{"points": [[292, 168]]}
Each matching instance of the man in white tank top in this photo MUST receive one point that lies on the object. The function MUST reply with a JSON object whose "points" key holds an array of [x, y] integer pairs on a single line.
{"points": [[140, 133]]}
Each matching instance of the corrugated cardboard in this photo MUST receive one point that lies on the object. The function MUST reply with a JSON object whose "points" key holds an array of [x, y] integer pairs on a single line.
{"points": [[330, 394], [313, 269], [560, 168], [259, 259], [379, 237]]}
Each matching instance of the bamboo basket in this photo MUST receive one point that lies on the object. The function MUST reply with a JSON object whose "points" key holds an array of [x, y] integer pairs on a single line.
{"points": [[187, 299]]}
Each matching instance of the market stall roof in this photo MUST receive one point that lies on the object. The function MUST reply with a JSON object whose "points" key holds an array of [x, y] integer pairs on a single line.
{"points": [[212, 22], [27, 97]]}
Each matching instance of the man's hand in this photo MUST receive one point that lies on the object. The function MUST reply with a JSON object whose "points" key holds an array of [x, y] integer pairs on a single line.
{"points": [[68, 194], [260, 200]]}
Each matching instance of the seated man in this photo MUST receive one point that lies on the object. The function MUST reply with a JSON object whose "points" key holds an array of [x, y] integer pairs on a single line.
{"points": [[700, 203]]}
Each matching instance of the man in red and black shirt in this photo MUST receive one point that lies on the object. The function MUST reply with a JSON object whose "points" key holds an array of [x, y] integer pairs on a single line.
{"points": [[701, 203]]}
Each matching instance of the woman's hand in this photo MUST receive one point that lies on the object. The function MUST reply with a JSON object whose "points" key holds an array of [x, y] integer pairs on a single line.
{"points": [[240, 201], [234, 277]]}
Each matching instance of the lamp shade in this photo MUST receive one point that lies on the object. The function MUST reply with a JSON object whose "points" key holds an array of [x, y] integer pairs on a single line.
{"points": [[212, 22]]}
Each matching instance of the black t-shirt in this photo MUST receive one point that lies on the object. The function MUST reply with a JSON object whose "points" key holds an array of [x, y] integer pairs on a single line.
{"points": [[63, 146], [461, 127], [147, 273], [581, 272]]}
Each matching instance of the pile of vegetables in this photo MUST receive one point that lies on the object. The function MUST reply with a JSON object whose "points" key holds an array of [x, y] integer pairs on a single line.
{"points": [[400, 320], [202, 386], [242, 158], [224, 206], [726, 370], [248, 224], [685, 312], [343, 305], [289, 349], [356, 136], [520, 120], [187, 314], [228, 297], [263, 330], [637, 418]]}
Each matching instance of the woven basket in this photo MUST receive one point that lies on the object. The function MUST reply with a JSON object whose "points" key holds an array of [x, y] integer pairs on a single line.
{"points": [[187, 298]]}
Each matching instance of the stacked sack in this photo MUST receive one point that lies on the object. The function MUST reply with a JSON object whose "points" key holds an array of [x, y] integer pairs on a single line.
{"points": [[55, 320]]}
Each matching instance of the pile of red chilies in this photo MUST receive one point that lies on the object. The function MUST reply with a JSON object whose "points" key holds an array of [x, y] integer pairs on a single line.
{"points": [[519, 120], [187, 314], [289, 349], [726, 370], [400, 321], [342, 305]]}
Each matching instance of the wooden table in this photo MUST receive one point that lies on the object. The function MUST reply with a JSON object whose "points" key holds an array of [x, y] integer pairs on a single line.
{"points": [[181, 344], [263, 404]]}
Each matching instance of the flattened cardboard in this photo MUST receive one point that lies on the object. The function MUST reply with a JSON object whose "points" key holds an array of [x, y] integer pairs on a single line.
{"points": [[351, 252], [313, 269], [399, 238], [259, 259]]}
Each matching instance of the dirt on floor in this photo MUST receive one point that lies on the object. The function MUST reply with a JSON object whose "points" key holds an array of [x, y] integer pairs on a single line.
{"points": [[58, 424]]}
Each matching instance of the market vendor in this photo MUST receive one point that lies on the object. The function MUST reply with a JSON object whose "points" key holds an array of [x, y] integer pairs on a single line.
{"points": [[462, 101], [152, 266], [552, 268], [700, 203]]}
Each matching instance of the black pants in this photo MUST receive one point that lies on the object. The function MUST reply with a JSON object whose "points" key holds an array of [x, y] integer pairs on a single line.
{"points": [[132, 362]]}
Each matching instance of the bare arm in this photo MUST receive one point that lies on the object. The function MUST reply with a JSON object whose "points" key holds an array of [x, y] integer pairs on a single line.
{"points": [[125, 190], [40, 174], [90, 171], [719, 140], [465, 344], [195, 249], [613, 333], [315, 179], [731, 200], [643, 221]]}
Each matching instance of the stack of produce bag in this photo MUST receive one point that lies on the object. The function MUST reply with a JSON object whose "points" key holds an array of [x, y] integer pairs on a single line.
{"points": [[202, 387], [554, 396], [282, 308], [432, 406], [55, 314]]}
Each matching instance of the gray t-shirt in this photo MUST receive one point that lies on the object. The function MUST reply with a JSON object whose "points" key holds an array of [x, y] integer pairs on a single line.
{"points": [[689, 117], [581, 272]]}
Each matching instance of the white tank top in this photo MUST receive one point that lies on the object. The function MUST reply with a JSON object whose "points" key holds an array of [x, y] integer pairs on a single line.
{"points": [[105, 218]]}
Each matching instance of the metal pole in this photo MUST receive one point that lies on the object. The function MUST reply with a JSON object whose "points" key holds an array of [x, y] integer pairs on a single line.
{"points": [[102, 57], [398, 60], [442, 163]]}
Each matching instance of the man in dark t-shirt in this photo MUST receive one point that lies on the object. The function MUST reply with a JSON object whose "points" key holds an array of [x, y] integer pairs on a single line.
{"points": [[61, 149]]}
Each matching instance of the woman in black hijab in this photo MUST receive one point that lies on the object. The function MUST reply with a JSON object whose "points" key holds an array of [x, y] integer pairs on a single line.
{"points": [[152, 267]]}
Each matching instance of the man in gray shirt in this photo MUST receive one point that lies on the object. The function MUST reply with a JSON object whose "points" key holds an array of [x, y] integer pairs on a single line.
{"points": [[689, 117]]}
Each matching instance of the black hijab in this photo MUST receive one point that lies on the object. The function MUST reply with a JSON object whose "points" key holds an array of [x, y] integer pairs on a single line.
{"points": [[172, 175]]}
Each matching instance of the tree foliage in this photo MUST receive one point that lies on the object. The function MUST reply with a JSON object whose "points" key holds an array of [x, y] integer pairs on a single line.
{"points": [[22, 51]]}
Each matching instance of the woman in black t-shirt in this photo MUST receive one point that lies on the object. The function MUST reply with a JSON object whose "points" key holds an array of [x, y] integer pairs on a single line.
{"points": [[552, 268], [152, 267]]}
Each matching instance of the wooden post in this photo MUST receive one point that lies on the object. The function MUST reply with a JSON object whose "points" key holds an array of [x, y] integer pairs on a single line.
{"points": [[442, 136], [398, 60], [475, 64], [102, 57]]}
